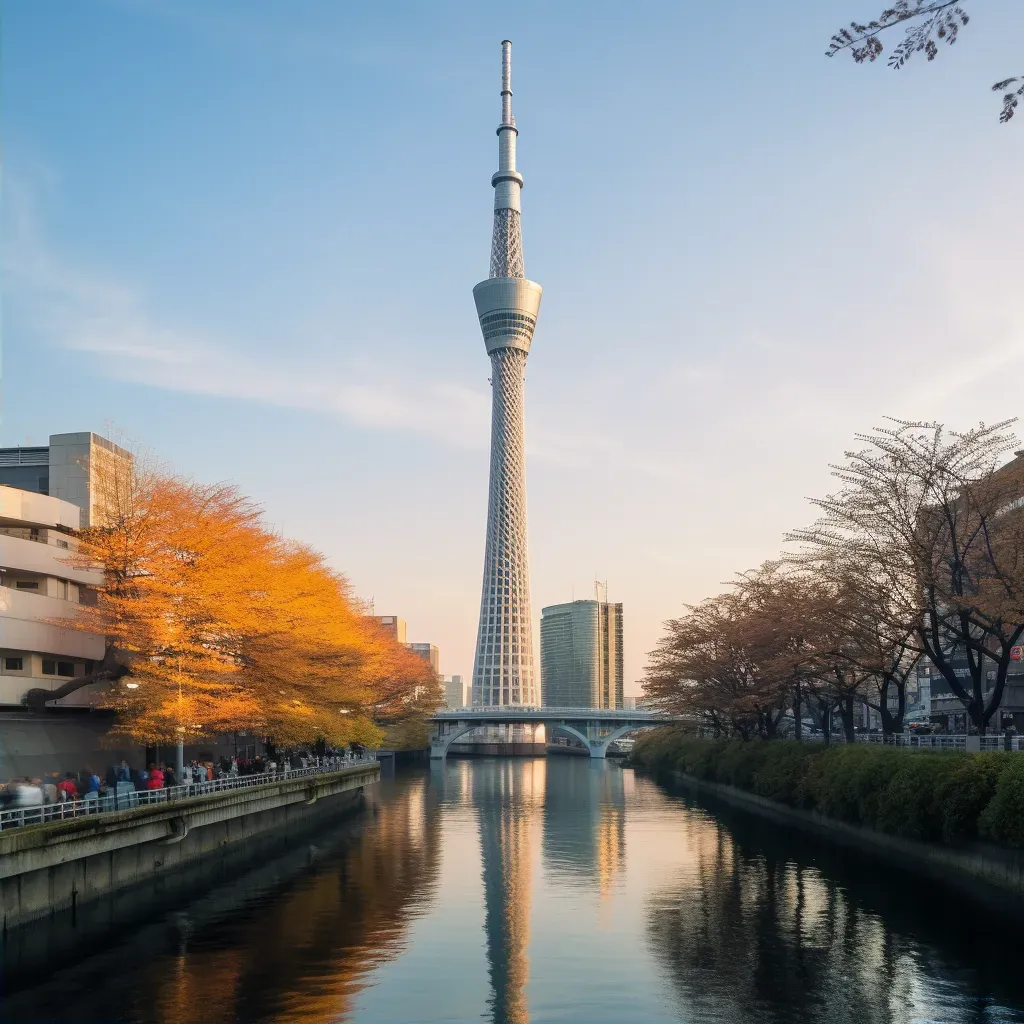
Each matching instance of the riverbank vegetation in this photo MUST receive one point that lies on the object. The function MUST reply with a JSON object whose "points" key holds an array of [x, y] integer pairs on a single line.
{"points": [[947, 796], [918, 559], [216, 623]]}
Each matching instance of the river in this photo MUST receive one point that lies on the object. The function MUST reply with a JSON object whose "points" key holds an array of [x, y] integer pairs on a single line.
{"points": [[512, 890]]}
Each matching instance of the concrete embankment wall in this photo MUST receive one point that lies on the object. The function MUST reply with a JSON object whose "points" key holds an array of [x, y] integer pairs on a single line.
{"points": [[989, 874], [63, 865]]}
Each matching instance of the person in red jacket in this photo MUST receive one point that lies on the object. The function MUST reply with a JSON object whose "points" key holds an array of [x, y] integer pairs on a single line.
{"points": [[66, 788], [156, 778]]}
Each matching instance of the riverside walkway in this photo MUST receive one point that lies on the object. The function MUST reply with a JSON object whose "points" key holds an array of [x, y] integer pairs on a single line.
{"points": [[127, 797], [61, 856]]}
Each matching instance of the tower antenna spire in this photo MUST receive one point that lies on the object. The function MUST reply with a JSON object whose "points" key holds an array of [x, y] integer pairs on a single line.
{"points": [[507, 305], [506, 83]]}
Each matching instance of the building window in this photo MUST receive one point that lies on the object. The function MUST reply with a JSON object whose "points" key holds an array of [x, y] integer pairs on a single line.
{"points": [[49, 667], [66, 668], [13, 664], [27, 585], [62, 544]]}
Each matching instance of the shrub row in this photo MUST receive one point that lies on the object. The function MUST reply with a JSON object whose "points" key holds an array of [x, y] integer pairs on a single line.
{"points": [[940, 796]]}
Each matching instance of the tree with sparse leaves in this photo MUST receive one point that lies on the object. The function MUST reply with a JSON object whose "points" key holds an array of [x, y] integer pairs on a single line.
{"points": [[927, 24], [934, 522], [867, 650], [734, 662]]}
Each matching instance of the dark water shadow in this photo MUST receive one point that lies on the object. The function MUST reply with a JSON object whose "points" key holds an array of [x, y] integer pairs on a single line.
{"points": [[781, 925], [269, 933]]}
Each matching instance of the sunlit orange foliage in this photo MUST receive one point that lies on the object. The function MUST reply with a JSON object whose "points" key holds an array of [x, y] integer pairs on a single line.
{"points": [[224, 625]]}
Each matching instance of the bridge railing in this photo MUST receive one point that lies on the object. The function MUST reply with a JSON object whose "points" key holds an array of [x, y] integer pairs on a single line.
{"points": [[551, 712], [126, 796]]}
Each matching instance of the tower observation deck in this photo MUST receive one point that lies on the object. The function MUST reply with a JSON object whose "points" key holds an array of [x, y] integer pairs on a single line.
{"points": [[507, 305]]}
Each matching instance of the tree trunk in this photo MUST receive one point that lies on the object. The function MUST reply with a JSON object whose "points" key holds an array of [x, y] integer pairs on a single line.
{"points": [[822, 711], [797, 714], [846, 713], [893, 723]]}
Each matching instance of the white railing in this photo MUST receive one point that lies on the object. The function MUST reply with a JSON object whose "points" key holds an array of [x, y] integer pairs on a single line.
{"points": [[939, 741], [538, 713], [127, 796]]}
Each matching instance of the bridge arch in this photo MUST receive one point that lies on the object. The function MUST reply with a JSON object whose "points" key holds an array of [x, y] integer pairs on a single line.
{"points": [[570, 729], [597, 747], [439, 744], [584, 724], [623, 730]]}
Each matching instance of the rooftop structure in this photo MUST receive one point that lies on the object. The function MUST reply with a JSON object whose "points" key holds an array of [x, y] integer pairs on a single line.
{"points": [[80, 468], [393, 625], [429, 653]]}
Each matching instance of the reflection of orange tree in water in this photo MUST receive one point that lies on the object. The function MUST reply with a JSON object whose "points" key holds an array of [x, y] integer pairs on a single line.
{"points": [[509, 795], [306, 953]]}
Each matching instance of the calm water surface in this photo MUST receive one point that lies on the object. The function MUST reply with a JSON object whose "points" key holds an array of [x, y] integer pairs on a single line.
{"points": [[559, 890]]}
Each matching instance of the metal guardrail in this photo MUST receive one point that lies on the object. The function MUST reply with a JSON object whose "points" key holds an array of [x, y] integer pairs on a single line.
{"points": [[940, 741], [129, 797], [538, 712]]}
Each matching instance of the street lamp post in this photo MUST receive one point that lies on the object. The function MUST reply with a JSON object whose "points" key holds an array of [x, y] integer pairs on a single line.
{"points": [[179, 763]]}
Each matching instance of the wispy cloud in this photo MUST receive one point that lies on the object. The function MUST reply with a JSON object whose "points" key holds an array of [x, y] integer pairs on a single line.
{"points": [[81, 311], [84, 312]]}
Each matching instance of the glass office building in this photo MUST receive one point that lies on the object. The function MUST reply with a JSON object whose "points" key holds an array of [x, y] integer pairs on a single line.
{"points": [[581, 655]]}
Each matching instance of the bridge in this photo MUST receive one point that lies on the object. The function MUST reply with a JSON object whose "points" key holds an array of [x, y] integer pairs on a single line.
{"points": [[595, 728]]}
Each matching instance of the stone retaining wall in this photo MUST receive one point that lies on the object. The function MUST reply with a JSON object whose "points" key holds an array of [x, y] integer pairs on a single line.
{"points": [[60, 865]]}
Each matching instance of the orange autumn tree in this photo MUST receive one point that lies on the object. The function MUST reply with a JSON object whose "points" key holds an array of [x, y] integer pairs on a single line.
{"points": [[214, 623]]}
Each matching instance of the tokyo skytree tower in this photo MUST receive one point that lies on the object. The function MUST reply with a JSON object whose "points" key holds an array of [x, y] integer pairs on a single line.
{"points": [[507, 305]]}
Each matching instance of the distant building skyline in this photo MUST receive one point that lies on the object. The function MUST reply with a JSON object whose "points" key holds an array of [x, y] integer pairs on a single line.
{"points": [[581, 654], [455, 692], [394, 625], [429, 653]]}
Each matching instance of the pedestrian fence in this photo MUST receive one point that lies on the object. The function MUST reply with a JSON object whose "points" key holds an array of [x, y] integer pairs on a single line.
{"points": [[939, 741], [126, 796]]}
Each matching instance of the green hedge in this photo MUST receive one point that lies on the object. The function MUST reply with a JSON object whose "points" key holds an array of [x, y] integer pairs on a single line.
{"points": [[942, 796]]}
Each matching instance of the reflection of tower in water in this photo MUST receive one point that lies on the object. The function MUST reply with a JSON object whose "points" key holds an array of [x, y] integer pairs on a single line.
{"points": [[508, 795], [585, 824], [611, 848]]}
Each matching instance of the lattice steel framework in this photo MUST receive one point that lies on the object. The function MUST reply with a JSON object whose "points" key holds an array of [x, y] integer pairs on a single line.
{"points": [[507, 306], [507, 245]]}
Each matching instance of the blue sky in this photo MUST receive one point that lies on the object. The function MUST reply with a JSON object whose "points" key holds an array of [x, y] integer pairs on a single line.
{"points": [[245, 232]]}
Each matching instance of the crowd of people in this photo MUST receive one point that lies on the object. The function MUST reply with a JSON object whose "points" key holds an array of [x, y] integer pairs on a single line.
{"points": [[121, 784]]}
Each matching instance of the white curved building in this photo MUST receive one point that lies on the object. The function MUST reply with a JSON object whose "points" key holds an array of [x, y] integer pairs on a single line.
{"points": [[39, 588]]}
